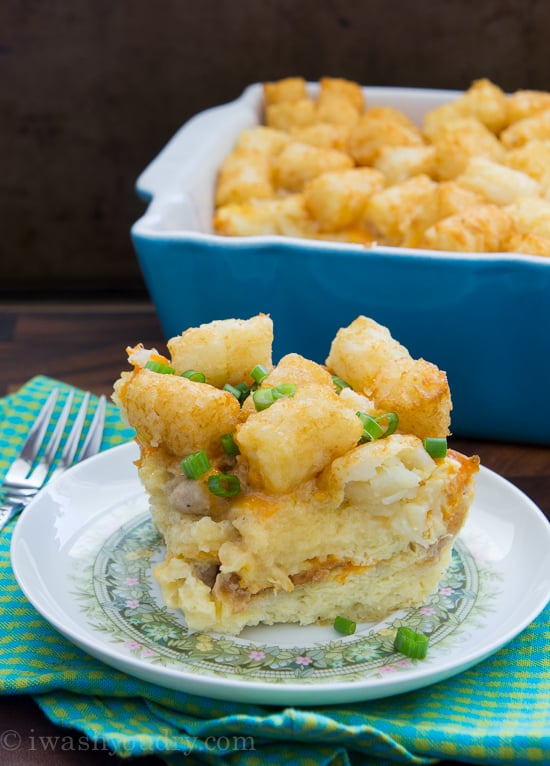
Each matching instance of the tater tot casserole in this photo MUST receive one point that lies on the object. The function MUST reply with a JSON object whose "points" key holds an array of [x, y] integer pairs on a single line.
{"points": [[295, 492], [320, 202], [331, 166]]}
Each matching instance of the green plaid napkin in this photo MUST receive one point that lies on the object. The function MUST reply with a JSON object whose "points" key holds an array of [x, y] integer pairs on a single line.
{"points": [[495, 713]]}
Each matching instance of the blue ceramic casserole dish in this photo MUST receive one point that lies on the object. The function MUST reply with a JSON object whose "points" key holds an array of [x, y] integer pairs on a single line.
{"points": [[483, 318]]}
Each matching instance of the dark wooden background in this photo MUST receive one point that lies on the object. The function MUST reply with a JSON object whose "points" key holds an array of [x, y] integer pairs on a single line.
{"points": [[91, 91]]}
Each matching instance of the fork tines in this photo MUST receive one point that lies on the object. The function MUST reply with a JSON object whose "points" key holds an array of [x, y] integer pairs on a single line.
{"points": [[39, 459]]}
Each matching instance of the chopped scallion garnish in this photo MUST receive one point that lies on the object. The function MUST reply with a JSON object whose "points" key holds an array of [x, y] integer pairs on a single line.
{"points": [[410, 643], [393, 422], [371, 429], [164, 369], [224, 484], [340, 383], [229, 445], [237, 393], [259, 373], [283, 390], [435, 447], [198, 377], [244, 388], [196, 464], [264, 397], [345, 626], [240, 391]]}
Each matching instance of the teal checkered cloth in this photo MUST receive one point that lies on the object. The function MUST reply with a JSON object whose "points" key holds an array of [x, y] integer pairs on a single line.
{"points": [[496, 713]]}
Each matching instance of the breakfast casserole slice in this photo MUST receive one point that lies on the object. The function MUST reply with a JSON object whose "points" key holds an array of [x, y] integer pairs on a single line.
{"points": [[295, 492]]}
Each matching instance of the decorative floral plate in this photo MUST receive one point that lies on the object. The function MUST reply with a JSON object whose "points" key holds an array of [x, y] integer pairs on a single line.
{"points": [[93, 522]]}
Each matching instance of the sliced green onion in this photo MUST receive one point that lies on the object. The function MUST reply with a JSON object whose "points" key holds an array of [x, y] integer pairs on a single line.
{"points": [[244, 388], [237, 393], [371, 429], [435, 447], [198, 377], [224, 484], [229, 445], [393, 422], [410, 643], [283, 390], [345, 626], [259, 373], [164, 369], [240, 391], [263, 398], [340, 383], [196, 464]]}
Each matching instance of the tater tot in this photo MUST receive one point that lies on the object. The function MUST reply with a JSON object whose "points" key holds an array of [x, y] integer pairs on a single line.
{"points": [[421, 398], [398, 163], [324, 135], [266, 141], [294, 368], [460, 141], [531, 215], [225, 350], [347, 89], [296, 437], [376, 365], [337, 199], [286, 216], [299, 163], [249, 219], [529, 244], [447, 198], [377, 128], [484, 101], [244, 175], [287, 89], [479, 229], [437, 120], [451, 198], [528, 129], [287, 115], [532, 158], [526, 103], [176, 413], [392, 210], [497, 183], [358, 402], [336, 109], [487, 102], [360, 350]]}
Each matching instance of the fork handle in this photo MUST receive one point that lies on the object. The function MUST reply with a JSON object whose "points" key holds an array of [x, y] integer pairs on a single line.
{"points": [[8, 511]]}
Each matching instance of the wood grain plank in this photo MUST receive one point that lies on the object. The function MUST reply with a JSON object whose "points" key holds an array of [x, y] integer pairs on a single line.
{"points": [[80, 344]]}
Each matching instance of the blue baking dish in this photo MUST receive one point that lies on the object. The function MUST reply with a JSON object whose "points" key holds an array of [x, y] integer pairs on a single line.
{"points": [[483, 318]]}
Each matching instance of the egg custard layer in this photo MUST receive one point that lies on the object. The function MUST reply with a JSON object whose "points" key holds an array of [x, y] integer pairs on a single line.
{"points": [[276, 496]]}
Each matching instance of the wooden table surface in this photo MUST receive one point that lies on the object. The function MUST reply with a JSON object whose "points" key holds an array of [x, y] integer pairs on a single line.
{"points": [[84, 344]]}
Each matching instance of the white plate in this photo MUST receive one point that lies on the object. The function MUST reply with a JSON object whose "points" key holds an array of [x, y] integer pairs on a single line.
{"points": [[82, 553]]}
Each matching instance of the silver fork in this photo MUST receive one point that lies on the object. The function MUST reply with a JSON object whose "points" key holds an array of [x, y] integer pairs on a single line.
{"points": [[28, 473]]}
